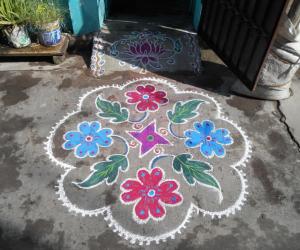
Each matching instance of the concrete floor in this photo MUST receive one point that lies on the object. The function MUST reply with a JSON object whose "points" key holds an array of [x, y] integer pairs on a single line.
{"points": [[35, 95]]}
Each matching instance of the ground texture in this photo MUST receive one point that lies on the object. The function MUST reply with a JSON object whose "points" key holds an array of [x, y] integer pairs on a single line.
{"points": [[34, 96]]}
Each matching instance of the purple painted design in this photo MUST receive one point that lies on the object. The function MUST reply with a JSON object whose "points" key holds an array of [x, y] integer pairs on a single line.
{"points": [[146, 52], [148, 138]]}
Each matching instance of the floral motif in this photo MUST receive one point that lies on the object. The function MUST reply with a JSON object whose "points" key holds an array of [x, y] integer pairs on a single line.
{"points": [[147, 98], [211, 141], [149, 207], [150, 194], [148, 138], [146, 50], [88, 139], [146, 53]]}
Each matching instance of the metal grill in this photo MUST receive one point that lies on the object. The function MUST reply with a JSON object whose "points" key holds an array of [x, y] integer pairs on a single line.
{"points": [[241, 33]]}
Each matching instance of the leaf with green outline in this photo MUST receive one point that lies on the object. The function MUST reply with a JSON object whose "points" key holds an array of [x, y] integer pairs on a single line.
{"points": [[182, 112], [194, 170], [112, 110], [108, 170]]}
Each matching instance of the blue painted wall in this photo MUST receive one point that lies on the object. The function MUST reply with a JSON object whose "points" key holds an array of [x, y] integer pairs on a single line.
{"points": [[197, 13], [87, 15]]}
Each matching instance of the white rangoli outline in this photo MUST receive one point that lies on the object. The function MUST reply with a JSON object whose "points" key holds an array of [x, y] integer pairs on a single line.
{"points": [[193, 209]]}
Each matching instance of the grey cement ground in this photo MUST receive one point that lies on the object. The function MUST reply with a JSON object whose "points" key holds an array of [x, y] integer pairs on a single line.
{"points": [[290, 110], [31, 217]]}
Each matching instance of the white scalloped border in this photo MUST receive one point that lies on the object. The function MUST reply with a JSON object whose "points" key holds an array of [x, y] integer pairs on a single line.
{"points": [[106, 211]]}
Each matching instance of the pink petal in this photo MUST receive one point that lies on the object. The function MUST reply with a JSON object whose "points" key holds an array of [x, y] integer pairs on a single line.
{"points": [[135, 97], [156, 176], [156, 210], [140, 89], [142, 106], [159, 94], [168, 186], [144, 177], [161, 100], [149, 88], [171, 198], [141, 210], [152, 106], [130, 196], [131, 185]]}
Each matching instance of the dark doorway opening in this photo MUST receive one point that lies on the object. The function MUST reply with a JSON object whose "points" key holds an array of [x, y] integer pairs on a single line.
{"points": [[149, 8]]}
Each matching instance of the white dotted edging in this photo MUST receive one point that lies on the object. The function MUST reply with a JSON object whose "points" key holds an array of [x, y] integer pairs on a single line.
{"points": [[98, 61], [106, 211]]}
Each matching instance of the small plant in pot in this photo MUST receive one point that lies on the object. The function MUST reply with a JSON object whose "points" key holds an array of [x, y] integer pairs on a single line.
{"points": [[46, 17], [13, 20]]}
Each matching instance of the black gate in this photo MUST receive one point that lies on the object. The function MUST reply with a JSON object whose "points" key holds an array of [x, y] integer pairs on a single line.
{"points": [[241, 33]]}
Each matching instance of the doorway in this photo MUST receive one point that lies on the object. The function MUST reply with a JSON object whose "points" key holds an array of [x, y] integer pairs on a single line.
{"points": [[176, 13], [149, 8]]}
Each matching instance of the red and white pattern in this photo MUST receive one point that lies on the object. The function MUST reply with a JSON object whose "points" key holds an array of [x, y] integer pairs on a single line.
{"points": [[150, 193], [146, 98]]}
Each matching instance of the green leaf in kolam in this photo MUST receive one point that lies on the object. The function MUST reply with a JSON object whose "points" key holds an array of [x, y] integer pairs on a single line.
{"points": [[182, 112], [112, 110], [194, 170], [206, 179], [94, 179], [105, 170], [188, 175], [113, 175]]}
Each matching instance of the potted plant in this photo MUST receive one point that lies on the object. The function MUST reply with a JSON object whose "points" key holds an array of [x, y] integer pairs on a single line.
{"points": [[46, 17], [13, 19]]}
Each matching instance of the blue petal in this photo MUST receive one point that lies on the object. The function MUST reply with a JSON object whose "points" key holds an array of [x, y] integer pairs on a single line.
{"points": [[70, 145], [218, 149], [74, 137], [102, 138], [84, 128], [222, 136], [195, 138], [199, 128], [93, 149], [208, 127], [206, 149], [81, 151], [95, 126]]}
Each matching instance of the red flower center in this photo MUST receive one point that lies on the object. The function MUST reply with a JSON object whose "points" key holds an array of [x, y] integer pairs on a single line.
{"points": [[146, 97], [89, 138], [208, 138]]}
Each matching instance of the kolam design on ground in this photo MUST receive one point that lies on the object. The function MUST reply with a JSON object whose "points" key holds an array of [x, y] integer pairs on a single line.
{"points": [[161, 154], [144, 51]]}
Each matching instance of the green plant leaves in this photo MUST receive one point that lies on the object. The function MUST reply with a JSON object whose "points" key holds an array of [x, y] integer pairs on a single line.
{"points": [[195, 171], [112, 111], [183, 111], [106, 170]]}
